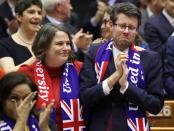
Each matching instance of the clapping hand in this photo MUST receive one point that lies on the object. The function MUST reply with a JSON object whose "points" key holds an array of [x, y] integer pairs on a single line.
{"points": [[123, 79], [45, 115], [120, 61]]}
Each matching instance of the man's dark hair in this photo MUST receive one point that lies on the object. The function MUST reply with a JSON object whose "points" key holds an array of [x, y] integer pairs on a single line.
{"points": [[126, 8]]}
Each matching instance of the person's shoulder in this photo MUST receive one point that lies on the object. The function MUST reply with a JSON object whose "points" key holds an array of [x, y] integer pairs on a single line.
{"points": [[95, 46], [78, 65], [149, 54], [27, 68], [7, 41], [154, 20]]}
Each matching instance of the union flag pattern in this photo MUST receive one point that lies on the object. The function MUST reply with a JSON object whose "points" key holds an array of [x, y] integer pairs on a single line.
{"points": [[72, 113], [138, 124]]}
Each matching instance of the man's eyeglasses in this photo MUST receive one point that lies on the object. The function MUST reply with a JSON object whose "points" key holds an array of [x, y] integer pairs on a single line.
{"points": [[123, 27]]}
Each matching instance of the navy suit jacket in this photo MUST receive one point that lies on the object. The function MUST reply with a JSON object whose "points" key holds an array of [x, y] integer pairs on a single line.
{"points": [[157, 30], [5, 12], [169, 68], [100, 106]]}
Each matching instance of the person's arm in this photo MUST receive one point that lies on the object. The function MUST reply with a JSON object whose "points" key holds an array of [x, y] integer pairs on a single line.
{"points": [[7, 64], [45, 115], [92, 92]]}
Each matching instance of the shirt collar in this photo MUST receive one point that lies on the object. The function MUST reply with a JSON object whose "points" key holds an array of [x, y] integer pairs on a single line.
{"points": [[117, 51], [12, 7], [54, 21], [169, 18], [149, 12]]}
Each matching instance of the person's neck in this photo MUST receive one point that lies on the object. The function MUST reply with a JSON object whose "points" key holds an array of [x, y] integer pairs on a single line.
{"points": [[51, 64], [25, 37], [56, 17]]}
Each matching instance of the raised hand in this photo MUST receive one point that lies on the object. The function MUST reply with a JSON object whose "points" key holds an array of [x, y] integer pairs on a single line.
{"points": [[22, 110], [120, 60], [82, 40], [123, 79], [45, 115]]}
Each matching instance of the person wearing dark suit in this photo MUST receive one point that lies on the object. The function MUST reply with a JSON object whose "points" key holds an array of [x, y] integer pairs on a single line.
{"points": [[93, 19], [7, 13], [3, 28], [169, 68], [113, 96], [59, 12], [153, 8], [159, 28]]}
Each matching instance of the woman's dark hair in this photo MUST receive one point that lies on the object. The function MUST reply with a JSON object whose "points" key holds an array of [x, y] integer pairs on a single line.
{"points": [[126, 8], [9, 82], [22, 5], [44, 38]]}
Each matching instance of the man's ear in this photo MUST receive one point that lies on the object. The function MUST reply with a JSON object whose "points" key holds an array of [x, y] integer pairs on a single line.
{"points": [[18, 17]]}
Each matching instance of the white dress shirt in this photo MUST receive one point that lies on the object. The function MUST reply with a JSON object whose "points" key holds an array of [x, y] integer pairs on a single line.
{"points": [[105, 86]]}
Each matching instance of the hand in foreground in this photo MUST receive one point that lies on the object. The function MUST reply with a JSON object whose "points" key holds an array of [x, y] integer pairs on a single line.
{"points": [[45, 115], [120, 60], [22, 110], [82, 40], [12, 25], [123, 79]]}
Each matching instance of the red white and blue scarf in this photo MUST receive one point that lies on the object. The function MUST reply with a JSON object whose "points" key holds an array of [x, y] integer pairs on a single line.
{"points": [[71, 108], [7, 124], [136, 117]]}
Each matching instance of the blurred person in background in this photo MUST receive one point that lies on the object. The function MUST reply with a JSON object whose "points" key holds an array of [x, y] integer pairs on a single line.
{"points": [[153, 8], [16, 49], [7, 13], [159, 28], [59, 12]]}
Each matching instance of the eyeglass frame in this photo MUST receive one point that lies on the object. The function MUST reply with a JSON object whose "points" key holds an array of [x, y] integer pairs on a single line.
{"points": [[124, 26]]}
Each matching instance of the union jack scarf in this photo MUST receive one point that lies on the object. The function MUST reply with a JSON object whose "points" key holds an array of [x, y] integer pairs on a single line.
{"points": [[71, 108], [7, 124], [136, 117]]}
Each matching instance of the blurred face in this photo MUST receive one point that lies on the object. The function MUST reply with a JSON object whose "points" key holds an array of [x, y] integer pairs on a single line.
{"points": [[106, 27], [31, 19], [66, 8], [18, 93], [59, 50], [124, 31], [169, 7]]}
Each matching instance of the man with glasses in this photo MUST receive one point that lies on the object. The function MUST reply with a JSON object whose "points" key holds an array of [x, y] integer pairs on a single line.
{"points": [[118, 84]]}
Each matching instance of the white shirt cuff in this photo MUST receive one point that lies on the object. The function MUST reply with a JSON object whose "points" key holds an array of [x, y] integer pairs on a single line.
{"points": [[93, 23], [105, 87], [75, 47], [123, 89]]}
